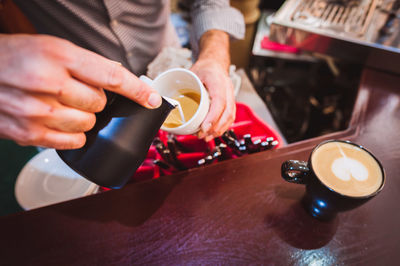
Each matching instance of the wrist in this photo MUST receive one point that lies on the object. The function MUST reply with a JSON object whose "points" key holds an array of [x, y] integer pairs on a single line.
{"points": [[214, 49]]}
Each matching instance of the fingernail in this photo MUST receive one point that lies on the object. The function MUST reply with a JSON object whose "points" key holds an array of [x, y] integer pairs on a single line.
{"points": [[154, 100]]}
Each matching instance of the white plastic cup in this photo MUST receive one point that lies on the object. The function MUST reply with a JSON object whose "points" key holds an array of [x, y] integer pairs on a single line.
{"points": [[173, 80]]}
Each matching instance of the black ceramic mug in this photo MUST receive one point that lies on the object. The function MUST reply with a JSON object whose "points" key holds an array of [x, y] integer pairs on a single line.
{"points": [[118, 143], [339, 176]]}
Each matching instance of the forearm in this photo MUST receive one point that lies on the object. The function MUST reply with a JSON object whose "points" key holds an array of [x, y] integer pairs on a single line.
{"points": [[214, 46]]}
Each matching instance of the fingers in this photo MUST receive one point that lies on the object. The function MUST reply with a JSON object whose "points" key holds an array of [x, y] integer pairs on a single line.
{"points": [[221, 114], [62, 118], [60, 140], [28, 133], [22, 105], [39, 119], [40, 104], [40, 65], [217, 107], [226, 119], [45, 109], [45, 137], [81, 96], [98, 71], [220, 88], [69, 120]]}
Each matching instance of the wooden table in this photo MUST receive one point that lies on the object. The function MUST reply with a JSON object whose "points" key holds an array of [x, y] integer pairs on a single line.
{"points": [[234, 212]]}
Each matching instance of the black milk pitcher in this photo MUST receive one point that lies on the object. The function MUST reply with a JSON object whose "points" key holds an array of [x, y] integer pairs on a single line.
{"points": [[118, 143]]}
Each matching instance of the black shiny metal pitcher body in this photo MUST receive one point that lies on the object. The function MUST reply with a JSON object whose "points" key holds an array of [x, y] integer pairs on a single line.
{"points": [[118, 143]]}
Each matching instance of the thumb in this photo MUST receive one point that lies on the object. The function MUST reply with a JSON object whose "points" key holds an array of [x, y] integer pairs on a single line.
{"points": [[110, 75]]}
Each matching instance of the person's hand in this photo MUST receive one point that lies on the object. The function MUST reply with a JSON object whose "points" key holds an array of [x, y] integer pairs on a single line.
{"points": [[212, 68], [51, 88], [220, 88]]}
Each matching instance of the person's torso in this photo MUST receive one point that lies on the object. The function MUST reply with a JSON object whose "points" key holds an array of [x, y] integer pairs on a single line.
{"points": [[132, 32]]}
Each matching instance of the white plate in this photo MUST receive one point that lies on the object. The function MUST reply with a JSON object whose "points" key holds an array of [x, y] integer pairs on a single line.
{"points": [[46, 180]]}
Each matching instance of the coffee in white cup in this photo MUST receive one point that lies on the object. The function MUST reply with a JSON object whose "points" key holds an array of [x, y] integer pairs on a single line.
{"points": [[184, 86], [189, 101]]}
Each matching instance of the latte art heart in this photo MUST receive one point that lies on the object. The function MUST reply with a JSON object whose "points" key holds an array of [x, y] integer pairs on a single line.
{"points": [[346, 168]]}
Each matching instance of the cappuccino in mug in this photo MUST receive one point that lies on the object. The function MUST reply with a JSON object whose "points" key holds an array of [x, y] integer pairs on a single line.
{"points": [[347, 169], [339, 176]]}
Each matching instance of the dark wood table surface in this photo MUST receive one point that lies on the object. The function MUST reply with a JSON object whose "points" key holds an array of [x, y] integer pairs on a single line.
{"points": [[234, 212]]}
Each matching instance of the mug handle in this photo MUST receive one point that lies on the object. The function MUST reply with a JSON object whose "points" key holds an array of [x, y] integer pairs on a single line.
{"points": [[295, 171]]}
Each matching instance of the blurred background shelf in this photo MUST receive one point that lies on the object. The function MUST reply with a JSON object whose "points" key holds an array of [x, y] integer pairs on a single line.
{"points": [[263, 30]]}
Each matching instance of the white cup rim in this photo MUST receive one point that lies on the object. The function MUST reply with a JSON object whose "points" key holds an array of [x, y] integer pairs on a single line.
{"points": [[201, 95]]}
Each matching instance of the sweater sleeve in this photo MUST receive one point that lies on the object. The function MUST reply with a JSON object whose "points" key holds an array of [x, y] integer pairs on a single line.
{"points": [[216, 14]]}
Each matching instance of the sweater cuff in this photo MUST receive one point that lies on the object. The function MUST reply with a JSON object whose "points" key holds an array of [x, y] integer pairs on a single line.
{"points": [[229, 20]]}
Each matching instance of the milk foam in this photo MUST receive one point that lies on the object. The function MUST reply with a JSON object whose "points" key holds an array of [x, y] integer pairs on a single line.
{"points": [[345, 168]]}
